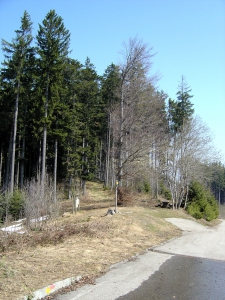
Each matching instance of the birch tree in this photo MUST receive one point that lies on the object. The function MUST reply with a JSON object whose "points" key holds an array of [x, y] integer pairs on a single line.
{"points": [[187, 159]]}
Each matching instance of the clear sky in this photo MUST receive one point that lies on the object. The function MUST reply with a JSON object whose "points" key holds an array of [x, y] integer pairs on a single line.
{"points": [[188, 37]]}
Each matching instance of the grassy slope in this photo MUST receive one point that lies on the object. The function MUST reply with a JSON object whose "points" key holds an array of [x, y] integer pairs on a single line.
{"points": [[84, 244]]}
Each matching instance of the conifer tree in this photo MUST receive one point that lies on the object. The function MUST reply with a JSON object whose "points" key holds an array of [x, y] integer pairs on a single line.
{"points": [[53, 47], [91, 117], [180, 111], [180, 116], [69, 124], [16, 54], [25, 117]]}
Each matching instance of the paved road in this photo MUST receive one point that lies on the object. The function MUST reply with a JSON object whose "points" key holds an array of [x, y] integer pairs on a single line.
{"points": [[189, 267], [196, 240], [183, 278]]}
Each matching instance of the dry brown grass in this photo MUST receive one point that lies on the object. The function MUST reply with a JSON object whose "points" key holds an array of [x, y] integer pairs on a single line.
{"points": [[83, 244]]}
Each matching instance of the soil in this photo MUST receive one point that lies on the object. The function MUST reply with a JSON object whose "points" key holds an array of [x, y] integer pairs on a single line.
{"points": [[94, 242]]}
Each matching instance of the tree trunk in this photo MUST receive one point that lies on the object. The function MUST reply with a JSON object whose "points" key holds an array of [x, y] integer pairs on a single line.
{"points": [[55, 170], [22, 162], [99, 167], [84, 186], [1, 161], [120, 160], [113, 174], [43, 157], [39, 160], [11, 185], [17, 167], [108, 151], [8, 171], [44, 139], [186, 197]]}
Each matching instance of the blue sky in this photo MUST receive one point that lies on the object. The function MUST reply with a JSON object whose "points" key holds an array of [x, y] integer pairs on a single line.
{"points": [[188, 37]]}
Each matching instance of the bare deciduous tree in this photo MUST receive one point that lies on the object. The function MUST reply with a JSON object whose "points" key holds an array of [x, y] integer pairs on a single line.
{"points": [[132, 118], [188, 152]]}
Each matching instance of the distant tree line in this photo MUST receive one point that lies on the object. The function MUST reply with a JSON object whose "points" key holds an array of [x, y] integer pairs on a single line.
{"points": [[60, 118]]}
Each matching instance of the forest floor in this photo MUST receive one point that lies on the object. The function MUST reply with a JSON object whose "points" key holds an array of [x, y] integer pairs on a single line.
{"points": [[84, 244]]}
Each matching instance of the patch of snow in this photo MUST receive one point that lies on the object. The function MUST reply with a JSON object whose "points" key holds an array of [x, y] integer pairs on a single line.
{"points": [[12, 228], [18, 227], [40, 219]]}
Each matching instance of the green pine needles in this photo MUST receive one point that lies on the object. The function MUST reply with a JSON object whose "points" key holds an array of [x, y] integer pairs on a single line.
{"points": [[202, 204]]}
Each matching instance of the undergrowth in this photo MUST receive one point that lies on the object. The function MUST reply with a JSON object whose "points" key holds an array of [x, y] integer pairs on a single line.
{"points": [[51, 234]]}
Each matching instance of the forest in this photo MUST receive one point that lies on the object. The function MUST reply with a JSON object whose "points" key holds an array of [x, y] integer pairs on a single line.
{"points": [[62, 124]]}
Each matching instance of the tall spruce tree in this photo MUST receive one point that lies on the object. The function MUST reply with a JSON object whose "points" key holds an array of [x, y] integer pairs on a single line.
{"points": [[69, 123], [16, 57], [53, 47], [180, 116], [91, 117], [25, 119], [180, 111]]}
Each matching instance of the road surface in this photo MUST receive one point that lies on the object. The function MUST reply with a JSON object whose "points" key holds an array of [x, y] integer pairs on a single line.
{"points": [[189, 267]]}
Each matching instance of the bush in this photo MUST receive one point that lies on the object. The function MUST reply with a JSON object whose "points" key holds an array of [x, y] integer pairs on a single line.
{"points": [[195, 210], [125, 197], [39, 203], [146, 187], [11, 205], [142, 186], [165, 192], [16, 205], [201, 203]]}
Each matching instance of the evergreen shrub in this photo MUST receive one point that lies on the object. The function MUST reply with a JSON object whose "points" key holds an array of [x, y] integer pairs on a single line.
{"points": [[142, 186], [2, 207], [201, 203], [146, 187], [11, 204], [16, 204]]}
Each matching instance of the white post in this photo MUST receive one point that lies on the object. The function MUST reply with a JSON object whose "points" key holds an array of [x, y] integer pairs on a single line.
{"points": [[77, 204], [116, 196]]}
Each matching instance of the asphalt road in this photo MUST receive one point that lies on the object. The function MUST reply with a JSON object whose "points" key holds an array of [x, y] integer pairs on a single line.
{"points": [[183, 278], [189, 267]]}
